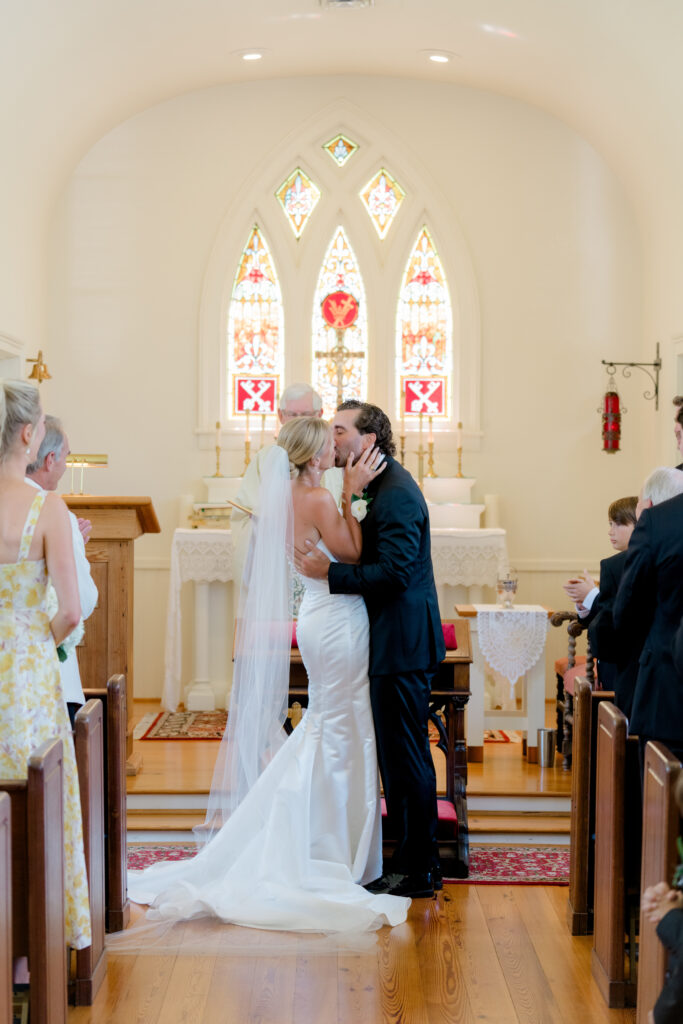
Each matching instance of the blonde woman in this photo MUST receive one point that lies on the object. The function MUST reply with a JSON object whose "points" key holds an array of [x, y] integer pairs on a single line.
{"points": [[35, 542], [295, 822]]}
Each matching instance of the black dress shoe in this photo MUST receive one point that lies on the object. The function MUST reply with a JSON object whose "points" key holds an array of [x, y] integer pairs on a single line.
{"points": [[437, 878], [414, 886]]}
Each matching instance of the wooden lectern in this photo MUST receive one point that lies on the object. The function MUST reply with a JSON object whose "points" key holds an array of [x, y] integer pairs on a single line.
{"points": [[107, 646]]}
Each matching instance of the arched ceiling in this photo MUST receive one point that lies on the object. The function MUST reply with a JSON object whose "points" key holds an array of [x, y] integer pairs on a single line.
{"points": [[72, 70]]}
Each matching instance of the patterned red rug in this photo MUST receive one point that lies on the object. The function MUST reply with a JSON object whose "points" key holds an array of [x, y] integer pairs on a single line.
{"points": [[489, 865], [187, 725]]}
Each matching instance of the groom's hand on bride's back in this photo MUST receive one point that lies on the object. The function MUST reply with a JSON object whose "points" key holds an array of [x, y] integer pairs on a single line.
{"points": [[311, 561]]}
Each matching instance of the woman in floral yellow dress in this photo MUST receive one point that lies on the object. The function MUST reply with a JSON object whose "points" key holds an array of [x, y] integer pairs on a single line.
{"points": [[35, 541]]}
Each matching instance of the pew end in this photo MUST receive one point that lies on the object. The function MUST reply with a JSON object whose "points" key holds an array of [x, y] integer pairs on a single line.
{"points": [[616, 884], [661, 826], [5, 909], [38, 929], [113, 697], [91, 963]]}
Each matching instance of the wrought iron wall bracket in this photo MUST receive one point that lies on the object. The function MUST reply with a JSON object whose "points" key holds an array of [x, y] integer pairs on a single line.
{"points": [[651, 369]]}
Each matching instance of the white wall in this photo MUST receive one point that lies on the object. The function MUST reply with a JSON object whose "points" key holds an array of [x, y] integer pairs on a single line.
{"points": [[555, 253]]}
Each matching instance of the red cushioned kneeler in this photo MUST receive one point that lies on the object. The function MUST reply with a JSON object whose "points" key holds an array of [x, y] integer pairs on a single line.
{"points": [[447, 827]]}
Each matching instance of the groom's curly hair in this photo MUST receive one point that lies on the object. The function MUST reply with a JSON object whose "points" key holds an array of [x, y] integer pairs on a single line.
{"points": [[371, 420]]}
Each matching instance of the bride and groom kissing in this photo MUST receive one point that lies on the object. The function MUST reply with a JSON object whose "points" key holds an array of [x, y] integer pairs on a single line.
{"points": [[296, 840]]}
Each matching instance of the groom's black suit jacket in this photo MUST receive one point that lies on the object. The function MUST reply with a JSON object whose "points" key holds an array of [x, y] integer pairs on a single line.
{"points": [[395, 577], [651, 595]]}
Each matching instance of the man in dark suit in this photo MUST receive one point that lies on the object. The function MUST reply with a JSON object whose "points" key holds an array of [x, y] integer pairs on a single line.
{"points": [[617, 667], [649, 602], [396, 579]]}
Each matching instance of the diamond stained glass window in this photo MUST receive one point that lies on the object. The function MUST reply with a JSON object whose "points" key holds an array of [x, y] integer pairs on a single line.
{"points": [[424, 321], [255, 318], [382, 197], [340, 273], [298, 196], [340, 149]]}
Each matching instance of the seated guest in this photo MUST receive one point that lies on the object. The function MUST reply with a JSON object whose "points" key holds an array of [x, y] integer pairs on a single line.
{"points": [[649, 603], [45, 473], [295, 400], [615, 671]]}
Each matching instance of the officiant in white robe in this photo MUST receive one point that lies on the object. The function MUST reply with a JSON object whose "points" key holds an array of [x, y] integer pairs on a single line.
{"points": [[296, 400]]}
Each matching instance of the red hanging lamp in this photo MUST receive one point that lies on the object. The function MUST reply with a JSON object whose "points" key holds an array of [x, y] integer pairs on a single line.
{"points": [[611, 419]]}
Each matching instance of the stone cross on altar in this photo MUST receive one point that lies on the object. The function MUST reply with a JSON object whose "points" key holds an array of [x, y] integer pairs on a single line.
{"points": [[340, 311]]}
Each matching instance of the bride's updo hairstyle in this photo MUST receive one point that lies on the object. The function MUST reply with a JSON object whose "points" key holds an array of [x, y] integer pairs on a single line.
{"points": [[302, 438], [19, 405]]}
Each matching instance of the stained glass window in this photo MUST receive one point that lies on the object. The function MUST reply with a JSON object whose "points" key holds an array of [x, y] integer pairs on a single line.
{"points": [[298, 196], [340, 149], [255, 323], [424, 333], [341, 281], [382, 197]]}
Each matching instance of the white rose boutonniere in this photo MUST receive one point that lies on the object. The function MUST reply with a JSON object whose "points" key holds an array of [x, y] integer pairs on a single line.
{"points": [[360, 505]]}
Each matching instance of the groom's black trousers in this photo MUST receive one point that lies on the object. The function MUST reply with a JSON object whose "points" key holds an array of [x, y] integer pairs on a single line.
{"points": [[400, 707]]}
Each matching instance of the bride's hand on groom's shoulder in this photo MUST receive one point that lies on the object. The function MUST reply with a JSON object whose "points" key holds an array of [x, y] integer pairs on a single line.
{"points": [[357, 475], [311, 561]]}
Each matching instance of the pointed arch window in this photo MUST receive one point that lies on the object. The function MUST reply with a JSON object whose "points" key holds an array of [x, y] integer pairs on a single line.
{"points": [[255, 328], [340, 353], [424, 335]]}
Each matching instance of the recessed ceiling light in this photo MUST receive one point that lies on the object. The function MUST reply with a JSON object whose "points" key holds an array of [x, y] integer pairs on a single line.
{"points": [[253, 54], [439, 56]]}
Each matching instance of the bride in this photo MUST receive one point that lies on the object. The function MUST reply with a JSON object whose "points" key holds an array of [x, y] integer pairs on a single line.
{"points": [[293, 824]]}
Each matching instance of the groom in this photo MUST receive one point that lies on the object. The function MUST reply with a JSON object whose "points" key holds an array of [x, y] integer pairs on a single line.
{"points": [[396, 580]]}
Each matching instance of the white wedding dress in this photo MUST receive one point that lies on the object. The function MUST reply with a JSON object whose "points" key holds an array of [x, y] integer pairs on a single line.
{"points": [[294, 854]]}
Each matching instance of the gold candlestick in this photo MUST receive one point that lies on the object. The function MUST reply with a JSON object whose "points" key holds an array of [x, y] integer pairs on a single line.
{"points": [[420, 465], [430, 461], [402, 439], [218, 449], [430, 450], [459, 449], [247, 444], [263, 428]]}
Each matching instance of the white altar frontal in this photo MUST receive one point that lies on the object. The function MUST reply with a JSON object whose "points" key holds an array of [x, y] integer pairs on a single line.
{"points": [[466, 559]]}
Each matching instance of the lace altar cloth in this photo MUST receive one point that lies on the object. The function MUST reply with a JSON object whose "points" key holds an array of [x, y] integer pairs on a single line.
{"points": [[468, 557], [512, 639]]}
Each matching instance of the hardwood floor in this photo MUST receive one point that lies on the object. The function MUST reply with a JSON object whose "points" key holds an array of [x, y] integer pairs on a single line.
{"points": [[500, 954]]}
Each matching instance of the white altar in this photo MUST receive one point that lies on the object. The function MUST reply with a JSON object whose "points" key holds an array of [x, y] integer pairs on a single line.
{"points": [[462, 558]]}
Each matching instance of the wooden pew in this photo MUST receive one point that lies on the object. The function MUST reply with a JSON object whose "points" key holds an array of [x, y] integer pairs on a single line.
{"points": [[581, 845], [114, 701], [5, 910], [449, 697], [661, 824], [91, 963], [616, 881], [38, 880]]}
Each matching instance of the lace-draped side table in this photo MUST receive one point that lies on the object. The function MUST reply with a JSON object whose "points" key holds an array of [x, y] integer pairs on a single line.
{"points": [[512, 641], [202, 557]]}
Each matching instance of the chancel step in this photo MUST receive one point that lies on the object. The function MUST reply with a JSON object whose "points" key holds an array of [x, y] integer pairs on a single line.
{"points": [[526, 828]]}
